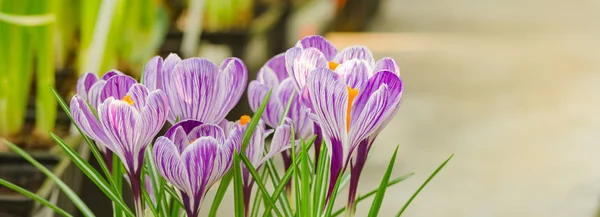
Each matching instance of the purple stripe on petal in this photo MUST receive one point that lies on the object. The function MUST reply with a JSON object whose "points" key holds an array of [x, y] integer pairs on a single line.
{"points": [[199, 159], [380, 78], [355, 52], [138, 94], [281, 140], [355, 71], [94, 93], [111, 74], [267, 77], [290, 59], [87, 121], [84, 84], [187, 125], [387, 64], [153, 73], [194, 91], [169, 64], [151, 117], [170, 165], [274, 109], [119, 120], [277, 64], [117, 87], [233, 80], [207, 130], [308, 60], [180, 139], [320, 43]]}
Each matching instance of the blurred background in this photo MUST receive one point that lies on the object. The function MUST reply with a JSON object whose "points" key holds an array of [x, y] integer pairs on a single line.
{"points": [[507, 86]]}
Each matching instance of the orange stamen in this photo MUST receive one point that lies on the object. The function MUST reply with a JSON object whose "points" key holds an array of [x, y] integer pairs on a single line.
{"points": [[245, 119], [333, 65], [128, 99], [352, 93]]}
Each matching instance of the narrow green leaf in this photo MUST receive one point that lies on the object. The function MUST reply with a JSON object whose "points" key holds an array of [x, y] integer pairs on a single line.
{"points": [[275, 179], [423, 185], [117, 178], [254, 121], [93, 175], [258, 198], [258, 182], [64, 187], [331, 201], [376, 205], [372, 192], [238, 195], [223, 185], [281, 186], [318, 182], [35, 197], [305, 179], [173, 194]]}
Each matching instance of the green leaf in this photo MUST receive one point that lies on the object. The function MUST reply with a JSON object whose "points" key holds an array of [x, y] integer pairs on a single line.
{"points": [[223, 185], [305, 179], [319, 182], [259, 183], [281, 186], [376, 205], [34, 197], [93, 175], [333, 194], [275, 179], [371, 193], [238, 195], [423, 185], [254, 121], [64, 187]]}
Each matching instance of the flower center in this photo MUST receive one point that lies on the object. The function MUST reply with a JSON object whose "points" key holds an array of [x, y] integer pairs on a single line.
{"points": [[333, 65], [352, 93], [128, 99], [245, 119]]}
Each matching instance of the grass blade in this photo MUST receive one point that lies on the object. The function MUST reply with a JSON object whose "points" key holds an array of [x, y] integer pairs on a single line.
{"points": [[35, 197], [376, 205], [254, 121], [305, 179], [93, 175], [281, 186], [67, 191], [333, 195], [423, 185], [258, 181], [371, 193], [238, 195], [223, 185]]}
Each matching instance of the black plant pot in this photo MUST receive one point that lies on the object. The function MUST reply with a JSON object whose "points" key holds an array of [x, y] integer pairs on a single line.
{"points": [[17, 170]]}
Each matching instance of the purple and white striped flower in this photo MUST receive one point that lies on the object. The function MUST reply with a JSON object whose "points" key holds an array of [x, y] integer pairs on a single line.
{"points": [[129, 116], [192, 156], [273, 75], [351, 104], [196, 87], [89, 88]]}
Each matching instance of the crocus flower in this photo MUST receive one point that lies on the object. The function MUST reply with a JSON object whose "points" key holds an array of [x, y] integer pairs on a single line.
{"points": [[273, 75], [129, 116], [192, 156], [89, 88], [256, 147], [196, 87], [351, 105]]}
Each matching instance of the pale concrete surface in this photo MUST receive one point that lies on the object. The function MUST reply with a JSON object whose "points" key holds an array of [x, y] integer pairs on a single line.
{"points": [[511, 88]]}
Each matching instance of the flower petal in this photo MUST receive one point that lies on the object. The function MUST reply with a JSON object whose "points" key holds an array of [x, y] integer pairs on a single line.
{"points": [[207, 130], [87, 121], [151, 118], [355, 52], [138, 93], [93, 96], [153, 73], [379, 108], [320, 43], [281, 140], [274, 109], [199, 158], [307, 61], [193, 90], [329, 99], [117, 87], [297, 112], [355, 71], [267, 77], [233, 80], [119, 120], [170, 164], [84, 84], [387, 64], [393, 82], [111, 74], [277, 65]]}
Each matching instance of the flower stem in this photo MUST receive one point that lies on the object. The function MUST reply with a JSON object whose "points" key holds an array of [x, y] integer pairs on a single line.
{"points": [[136, 189]]}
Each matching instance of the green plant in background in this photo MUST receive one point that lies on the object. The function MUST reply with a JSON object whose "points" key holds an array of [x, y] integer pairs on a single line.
{"points": [[27, 34]]}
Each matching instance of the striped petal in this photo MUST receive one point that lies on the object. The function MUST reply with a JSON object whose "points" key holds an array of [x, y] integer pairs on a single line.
{"points": [[277, 65], [207, 130], [84, 117], [355, 52], [151, 118], [119, 120], [93, 96], [111, 74], [199, 159], [307, 61], [274, 108], [186, 125], [281, 141], [320, 43], [193, 90], [170, 164], [267, 77], [356, 72], [152, 76], [298, 113], [138, 94], [117, 87], [233, 79], [329, 99], [387, 64], [384, 92], [84, 84]]}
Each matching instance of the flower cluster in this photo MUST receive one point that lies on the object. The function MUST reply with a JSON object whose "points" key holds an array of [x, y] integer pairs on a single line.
{"points": [[340, 99]]}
